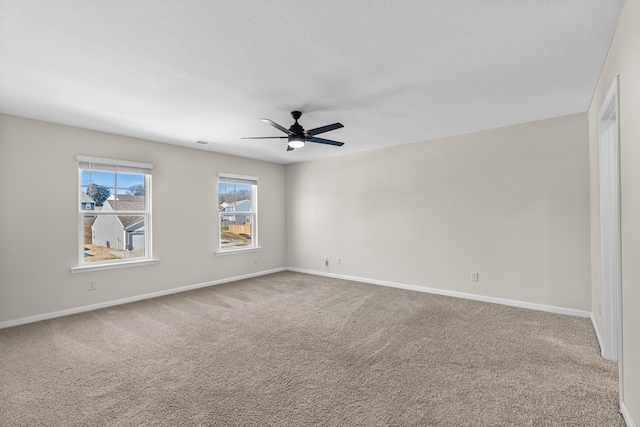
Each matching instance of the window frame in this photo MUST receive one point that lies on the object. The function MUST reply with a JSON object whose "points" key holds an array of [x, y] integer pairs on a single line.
{"points": [[252, 213], [114, 166]]}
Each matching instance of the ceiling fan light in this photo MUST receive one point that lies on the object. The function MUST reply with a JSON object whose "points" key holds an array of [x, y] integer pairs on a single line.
{"points": [[296, 142]]}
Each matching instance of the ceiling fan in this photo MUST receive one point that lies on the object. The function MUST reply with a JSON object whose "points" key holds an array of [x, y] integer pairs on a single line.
{"points": [[297, 136]]}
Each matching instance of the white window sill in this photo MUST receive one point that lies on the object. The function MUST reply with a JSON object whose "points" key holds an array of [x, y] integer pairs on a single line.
{"points": [[112, 266], [238, 251]]}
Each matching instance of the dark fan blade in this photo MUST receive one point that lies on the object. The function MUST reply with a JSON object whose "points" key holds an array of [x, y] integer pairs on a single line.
{"points": [[277, 126], [289, 148], [264, 137], [325, 141], [324, 129]]}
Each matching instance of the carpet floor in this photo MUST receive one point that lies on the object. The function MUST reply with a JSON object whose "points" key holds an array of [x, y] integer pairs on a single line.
{"points": [[290, 349]]}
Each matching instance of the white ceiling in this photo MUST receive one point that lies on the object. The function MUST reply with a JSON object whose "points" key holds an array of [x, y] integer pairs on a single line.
{"points": [[393, 72]]}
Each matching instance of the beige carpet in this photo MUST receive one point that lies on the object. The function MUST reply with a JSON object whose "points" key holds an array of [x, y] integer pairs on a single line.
{"points": [[292, 350]]}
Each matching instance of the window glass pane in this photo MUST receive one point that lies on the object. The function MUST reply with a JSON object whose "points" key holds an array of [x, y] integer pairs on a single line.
{"points": [[99, 186], [235, 231], [125, 202], [112, 237], [226, 195], [106, 179], [128, 183], [234, 197], [85, 178]]}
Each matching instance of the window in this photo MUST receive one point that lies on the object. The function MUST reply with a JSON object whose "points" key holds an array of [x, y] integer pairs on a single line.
{"points": [[114, 211], [237, 211]]}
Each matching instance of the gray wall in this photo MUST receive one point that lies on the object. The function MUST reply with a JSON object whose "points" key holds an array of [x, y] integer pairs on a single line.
{"points": [[509, 203], [39, 240], [623, 59]]}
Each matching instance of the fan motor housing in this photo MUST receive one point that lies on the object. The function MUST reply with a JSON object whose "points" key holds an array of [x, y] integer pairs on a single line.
{"points": [[297, 129]]}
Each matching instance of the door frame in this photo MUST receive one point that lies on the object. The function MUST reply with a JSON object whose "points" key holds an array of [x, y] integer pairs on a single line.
{"points": [[610, 225]]}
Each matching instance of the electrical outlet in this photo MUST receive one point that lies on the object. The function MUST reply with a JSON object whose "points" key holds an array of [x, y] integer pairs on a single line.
{"points": [[474, 276], [338, 261], [326, 260], [91, 285]]}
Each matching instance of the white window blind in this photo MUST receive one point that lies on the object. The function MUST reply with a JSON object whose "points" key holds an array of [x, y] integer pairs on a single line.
{"points": [[238, 179], [113, 165]]}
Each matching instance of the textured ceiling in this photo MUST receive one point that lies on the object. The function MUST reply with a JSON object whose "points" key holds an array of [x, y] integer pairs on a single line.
{"points": [[393, 72]]}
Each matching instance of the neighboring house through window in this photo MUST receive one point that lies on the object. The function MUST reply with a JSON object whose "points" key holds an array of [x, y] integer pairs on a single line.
{"points": [[88, 204], [114, 211], [237, 211]]}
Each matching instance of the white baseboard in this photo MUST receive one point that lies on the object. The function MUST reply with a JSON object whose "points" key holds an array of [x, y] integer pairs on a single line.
{"points": [[494, 300], [513, 303], [596, 331], [626, 416], [39, 317]]}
